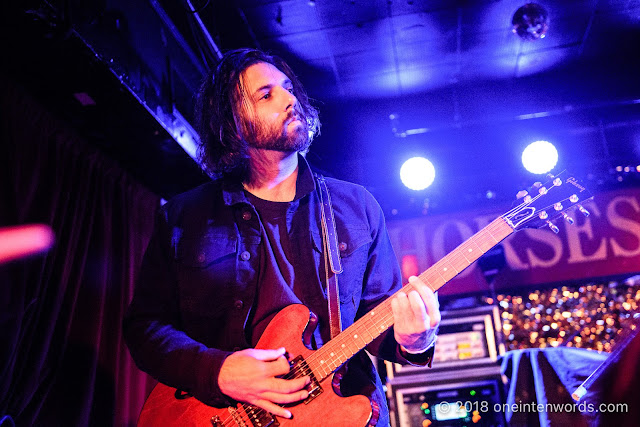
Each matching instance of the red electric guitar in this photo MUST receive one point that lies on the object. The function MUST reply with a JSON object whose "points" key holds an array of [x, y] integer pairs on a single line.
{"points": [[324, 407]]}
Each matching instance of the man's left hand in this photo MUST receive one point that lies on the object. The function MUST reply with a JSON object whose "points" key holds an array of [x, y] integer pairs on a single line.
{"points": [[416, 316]]}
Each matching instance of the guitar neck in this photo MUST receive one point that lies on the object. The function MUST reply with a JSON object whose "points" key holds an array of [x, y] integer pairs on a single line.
{"points": [[357, 336]]}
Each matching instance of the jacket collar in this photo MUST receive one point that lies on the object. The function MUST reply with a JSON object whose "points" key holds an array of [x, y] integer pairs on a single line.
{"points": [[233, 191]]}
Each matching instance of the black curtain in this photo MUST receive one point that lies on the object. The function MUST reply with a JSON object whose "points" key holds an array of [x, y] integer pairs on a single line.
{"points": [[62, 357]]}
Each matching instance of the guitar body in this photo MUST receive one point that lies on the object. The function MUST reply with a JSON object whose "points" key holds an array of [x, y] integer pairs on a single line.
{"points": [[286, 329]]}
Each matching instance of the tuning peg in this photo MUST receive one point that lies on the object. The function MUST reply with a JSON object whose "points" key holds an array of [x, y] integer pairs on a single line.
{"points": [[583, 210], [537, 184], [521, 194], [550, 176], [568, 218], [553, 227]]}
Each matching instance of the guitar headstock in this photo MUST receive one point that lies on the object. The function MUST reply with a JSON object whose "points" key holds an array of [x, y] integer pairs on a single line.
{"points": [[544, 203]]}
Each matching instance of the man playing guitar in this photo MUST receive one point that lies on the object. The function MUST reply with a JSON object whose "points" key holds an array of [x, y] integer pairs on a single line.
{"points": [[228, 256]]}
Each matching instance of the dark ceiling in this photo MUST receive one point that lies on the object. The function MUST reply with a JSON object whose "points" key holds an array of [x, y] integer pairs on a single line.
{"points": [[467, 92], [387, 48]]}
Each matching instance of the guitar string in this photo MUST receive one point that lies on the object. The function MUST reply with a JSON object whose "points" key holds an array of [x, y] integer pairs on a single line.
{"points": [[386, 317]]}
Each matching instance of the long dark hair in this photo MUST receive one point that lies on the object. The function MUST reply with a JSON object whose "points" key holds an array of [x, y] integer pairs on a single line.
{"points": [[222, 151]]}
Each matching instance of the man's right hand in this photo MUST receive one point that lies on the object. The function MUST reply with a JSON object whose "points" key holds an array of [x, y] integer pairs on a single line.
{"points": [[251, 376]]}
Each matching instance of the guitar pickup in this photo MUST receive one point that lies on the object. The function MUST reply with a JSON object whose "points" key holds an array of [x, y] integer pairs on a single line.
{"points": [[300, 368]]}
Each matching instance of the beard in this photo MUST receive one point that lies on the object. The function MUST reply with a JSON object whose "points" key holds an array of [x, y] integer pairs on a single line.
{"points": [[283, 136]]}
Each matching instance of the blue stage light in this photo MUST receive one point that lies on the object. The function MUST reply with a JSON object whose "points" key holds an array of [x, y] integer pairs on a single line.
{"points": [[539, 157], [417, 173]]}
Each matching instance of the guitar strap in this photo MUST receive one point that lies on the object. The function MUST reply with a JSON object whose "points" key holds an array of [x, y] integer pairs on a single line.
{"points": [[332, 263]]}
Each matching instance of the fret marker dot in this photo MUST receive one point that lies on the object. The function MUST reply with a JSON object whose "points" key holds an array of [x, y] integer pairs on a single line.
{"points": [[470, 250], [372, 313], [355, 336], [321, 362], [331, 354], [445, 269], [342, 345]]}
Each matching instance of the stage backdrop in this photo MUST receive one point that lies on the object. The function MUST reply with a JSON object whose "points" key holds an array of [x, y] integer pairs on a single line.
{"points": [[606, 243]]}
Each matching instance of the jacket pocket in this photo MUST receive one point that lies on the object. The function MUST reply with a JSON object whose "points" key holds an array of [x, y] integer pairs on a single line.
{"points": [[206, 250], [207, 273], [353, 244], [350, 241]]}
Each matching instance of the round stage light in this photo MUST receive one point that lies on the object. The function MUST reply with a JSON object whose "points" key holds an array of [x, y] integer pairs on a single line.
{"points": [[539, 157], [417, 173]]}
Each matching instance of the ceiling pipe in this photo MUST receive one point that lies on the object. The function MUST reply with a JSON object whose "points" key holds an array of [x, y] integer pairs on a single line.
{"points": [[162, 14], [212, 45]]}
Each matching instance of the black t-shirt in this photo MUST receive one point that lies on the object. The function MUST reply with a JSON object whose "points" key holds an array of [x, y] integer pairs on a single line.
{"points": [[281, 279]]}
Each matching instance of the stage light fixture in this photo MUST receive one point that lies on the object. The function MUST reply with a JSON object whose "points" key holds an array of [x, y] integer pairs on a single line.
{"points": [[540, 157], [417, 173]]}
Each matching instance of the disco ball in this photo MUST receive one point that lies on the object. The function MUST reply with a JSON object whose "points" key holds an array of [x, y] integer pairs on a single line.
{"points": [[530, 22]]}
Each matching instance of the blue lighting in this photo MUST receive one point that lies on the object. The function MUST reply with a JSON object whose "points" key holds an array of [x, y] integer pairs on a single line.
{"points": [[417, 173], [539, 157]]}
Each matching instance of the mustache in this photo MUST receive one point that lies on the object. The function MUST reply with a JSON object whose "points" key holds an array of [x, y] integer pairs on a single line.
{"points": [[296, 113]]}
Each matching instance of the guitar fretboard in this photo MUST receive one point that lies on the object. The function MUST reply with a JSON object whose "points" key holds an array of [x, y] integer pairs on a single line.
{"points": [[357, 336]]}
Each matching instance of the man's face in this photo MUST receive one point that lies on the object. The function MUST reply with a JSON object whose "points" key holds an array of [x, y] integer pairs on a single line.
{"points": [[269, 111]]}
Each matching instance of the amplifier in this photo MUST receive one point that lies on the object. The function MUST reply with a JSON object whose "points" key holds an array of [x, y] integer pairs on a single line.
{"points": [[468, 403]]}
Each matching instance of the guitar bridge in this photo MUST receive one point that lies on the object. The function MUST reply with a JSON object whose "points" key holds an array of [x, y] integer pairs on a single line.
{"points": [[246, 416], [300, 368]]}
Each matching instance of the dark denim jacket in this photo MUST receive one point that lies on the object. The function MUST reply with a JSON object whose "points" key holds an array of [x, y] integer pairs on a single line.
{"points": [[199, 275]]}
